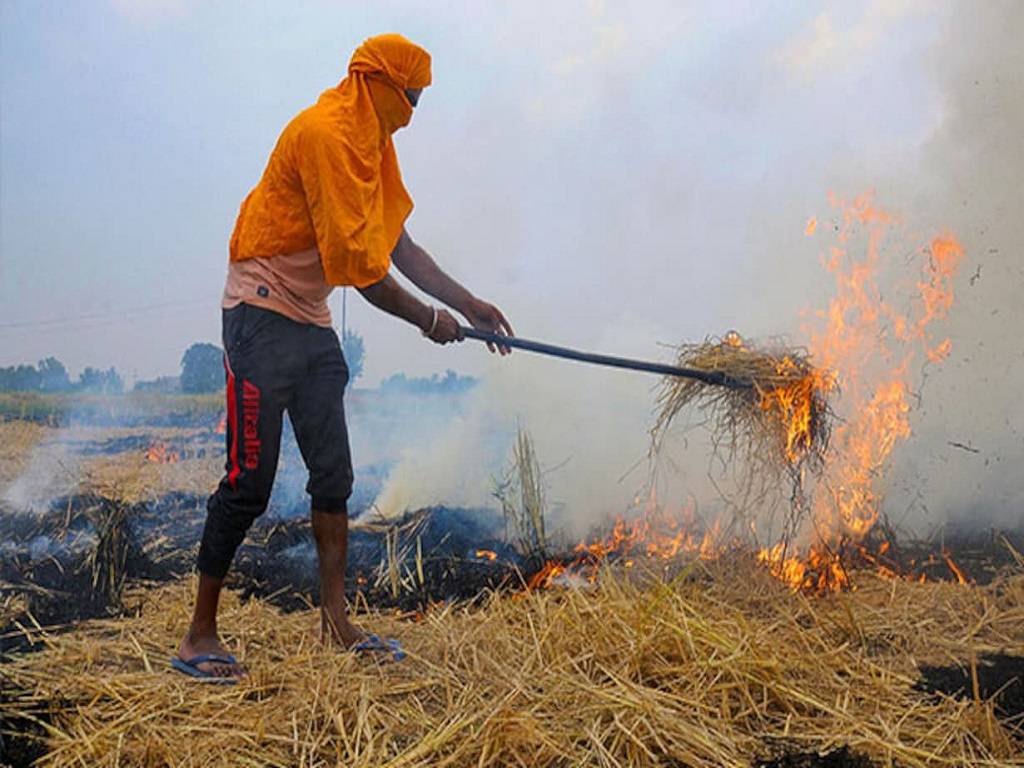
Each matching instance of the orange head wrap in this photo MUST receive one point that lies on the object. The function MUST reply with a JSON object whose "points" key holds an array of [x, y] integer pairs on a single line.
{"points": [[403, 62], [390, 64]]}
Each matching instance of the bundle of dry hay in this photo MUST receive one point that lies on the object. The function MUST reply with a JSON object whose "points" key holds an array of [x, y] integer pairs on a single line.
{"points": [[698, 672], [780, 420], [769, 432]]}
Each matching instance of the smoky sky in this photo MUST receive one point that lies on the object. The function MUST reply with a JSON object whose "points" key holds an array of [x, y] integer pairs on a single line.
{"points": [[613, 175], [577, 164]]}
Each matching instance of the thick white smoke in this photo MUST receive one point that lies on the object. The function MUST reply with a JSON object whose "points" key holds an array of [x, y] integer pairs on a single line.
{"points": [[968, 179], [962, 178]]}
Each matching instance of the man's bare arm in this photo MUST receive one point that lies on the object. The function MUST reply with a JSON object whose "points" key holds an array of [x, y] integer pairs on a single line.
{"points": [[417, 265], [391, 297]]}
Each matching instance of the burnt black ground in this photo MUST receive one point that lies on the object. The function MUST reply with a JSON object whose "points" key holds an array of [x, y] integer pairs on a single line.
{"points": [[21, 743], [982, 554], [279, 564], [999, 675], [843, 757], [45, 558]]}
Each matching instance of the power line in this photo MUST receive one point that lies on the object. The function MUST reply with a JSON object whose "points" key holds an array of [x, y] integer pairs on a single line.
{"points": [[124, 314]]}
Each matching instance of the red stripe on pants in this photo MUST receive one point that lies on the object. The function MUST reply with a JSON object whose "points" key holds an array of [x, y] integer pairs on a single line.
{"points": [[234, 469]]}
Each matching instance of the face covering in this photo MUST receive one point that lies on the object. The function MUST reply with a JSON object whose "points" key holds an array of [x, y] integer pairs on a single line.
{"points": [[391, 105]]}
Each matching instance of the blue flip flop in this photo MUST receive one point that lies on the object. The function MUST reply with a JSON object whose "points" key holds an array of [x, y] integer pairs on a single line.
{"points": [[377, 644], [191, 668]]}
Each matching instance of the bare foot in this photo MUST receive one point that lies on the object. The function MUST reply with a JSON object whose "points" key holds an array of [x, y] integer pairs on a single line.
{"points": [[338, 630], [199, 645]]}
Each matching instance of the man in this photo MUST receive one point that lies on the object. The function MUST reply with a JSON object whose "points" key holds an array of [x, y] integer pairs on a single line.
{"points": [[328, 211]]}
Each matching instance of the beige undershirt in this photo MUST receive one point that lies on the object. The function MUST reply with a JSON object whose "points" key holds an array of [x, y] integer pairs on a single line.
{"points": [[292, 285]]}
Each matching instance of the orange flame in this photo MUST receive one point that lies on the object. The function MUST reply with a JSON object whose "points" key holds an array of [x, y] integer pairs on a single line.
{"points": [[486, 554], [543, 577], [817, 572], [161, 453], [954, 568], [869, 347], [654, 534], [793, 406], [866, 348]]}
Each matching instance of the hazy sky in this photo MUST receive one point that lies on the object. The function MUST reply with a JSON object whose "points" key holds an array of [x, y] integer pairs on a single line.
{"points": [[589, 166]]}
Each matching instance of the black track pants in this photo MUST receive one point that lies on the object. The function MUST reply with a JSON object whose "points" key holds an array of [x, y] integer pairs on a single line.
{"points": [[274, 364]]}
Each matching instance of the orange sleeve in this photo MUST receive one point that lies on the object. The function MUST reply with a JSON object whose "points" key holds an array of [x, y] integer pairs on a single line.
{"points": [[339, 189]]}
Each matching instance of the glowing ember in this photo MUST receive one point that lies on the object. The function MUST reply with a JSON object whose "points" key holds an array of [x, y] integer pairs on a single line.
{"points": [[161, 453], [954, 568], [544, 576], [486, 554], [733, 339]]}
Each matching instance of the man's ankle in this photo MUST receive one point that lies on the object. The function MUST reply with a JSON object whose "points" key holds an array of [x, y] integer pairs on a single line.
{"points": [[341, 630], [197, 632]]}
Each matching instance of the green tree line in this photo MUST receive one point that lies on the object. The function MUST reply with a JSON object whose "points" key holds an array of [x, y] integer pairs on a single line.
{"points": [[201, 371]]}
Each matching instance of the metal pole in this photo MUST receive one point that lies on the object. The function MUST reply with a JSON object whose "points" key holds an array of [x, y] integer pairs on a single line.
{"points": [[344, 307], [708, 377]]}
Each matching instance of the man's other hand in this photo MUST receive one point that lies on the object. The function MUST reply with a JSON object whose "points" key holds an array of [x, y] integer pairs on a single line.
{"points": [[487, 317]]}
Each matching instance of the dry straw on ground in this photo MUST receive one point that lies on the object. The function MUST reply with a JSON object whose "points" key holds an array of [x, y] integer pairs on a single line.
{"points": [[52, 455], [17, 438], [711, 669]]}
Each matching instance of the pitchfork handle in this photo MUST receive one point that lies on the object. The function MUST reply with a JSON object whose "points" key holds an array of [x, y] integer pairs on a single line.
{"points": [[716, 378]]}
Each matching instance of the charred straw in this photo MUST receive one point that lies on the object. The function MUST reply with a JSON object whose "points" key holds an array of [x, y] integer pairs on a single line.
{"points": [[106, 563]]}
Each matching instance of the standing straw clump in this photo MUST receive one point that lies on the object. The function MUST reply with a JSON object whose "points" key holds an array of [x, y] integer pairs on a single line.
{"points": [[777, 423], [521, 494]]}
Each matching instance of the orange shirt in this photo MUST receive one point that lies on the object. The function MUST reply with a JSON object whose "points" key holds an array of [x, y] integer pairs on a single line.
{"points": [[292, 285]]}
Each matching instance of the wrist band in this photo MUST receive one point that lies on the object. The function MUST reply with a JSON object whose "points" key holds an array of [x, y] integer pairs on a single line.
{"points": [[433, 323]]}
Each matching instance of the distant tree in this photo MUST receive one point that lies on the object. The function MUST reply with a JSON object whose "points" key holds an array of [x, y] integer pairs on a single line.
{"points": [[449, 384], [202, 368], [108, 382], [355, 354], [53, 376], [90, 380], [165, 385], [21, 378]]}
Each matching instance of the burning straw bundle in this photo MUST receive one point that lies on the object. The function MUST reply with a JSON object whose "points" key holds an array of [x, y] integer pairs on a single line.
{"points": [[775, 414]]}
